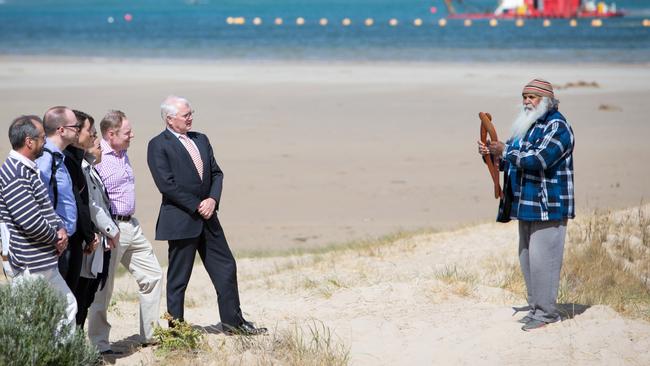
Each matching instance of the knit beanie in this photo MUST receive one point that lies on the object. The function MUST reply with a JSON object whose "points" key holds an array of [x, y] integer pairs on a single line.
{"points": [[539, 87]]}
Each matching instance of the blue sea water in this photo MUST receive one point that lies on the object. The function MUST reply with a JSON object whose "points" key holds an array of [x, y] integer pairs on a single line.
{"points": [[197, 29]]}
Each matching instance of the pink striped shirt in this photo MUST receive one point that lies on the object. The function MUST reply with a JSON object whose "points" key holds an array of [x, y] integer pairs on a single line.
{"points": [[117, 175]]}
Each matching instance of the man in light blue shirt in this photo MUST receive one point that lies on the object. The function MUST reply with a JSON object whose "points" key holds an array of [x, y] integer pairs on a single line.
{"points": [[63, 200], [62, 129]]}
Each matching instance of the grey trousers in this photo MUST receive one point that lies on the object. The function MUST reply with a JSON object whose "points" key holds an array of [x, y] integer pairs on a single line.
{"points": [[541, 248]]}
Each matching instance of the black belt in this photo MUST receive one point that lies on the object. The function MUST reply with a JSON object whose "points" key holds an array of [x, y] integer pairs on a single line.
{"points": [[122, 218]]}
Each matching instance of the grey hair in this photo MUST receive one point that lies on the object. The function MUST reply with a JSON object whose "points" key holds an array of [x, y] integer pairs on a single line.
{"points": [[21, 128], [553, 103], [168, 106]]}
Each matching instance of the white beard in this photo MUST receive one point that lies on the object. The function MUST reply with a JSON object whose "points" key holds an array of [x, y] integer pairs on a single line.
{"points": [[526, 118]]}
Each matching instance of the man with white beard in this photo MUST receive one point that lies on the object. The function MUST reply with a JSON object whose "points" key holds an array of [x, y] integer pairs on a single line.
{"points": [[537, 161]]}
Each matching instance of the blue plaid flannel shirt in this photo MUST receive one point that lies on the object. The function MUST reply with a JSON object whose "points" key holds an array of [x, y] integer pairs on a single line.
{"points": [[540, 169]]}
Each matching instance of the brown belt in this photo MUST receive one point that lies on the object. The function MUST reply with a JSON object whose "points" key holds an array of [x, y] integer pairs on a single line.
{"points": [[5, 258], [487, 128]]}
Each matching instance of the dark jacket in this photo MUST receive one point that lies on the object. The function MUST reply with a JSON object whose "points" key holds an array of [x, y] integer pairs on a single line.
{"points": [[182, 189], [85, 227]]}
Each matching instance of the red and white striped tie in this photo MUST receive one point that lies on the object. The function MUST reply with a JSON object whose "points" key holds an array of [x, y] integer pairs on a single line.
{"points": [[194, 153]]}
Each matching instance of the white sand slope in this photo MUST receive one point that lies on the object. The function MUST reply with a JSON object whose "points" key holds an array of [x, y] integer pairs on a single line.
{"points": [[390, 305]]}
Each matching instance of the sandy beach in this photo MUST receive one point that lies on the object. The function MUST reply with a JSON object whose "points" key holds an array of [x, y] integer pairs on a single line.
{"points": [[430, 299], [317, 153]]}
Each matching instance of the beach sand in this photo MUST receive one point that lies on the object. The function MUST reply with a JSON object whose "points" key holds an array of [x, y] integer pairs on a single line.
{"points": [[430, 299], [317, 153]]}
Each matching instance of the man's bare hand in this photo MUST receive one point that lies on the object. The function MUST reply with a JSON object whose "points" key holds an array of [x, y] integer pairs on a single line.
{"points": [[62, 243], [496, 148], [113, 242], [90, 247], [206, 208], [482, 148]]}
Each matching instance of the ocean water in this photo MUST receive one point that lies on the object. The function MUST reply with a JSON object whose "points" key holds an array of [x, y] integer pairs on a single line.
{"points": [[197, 29]]}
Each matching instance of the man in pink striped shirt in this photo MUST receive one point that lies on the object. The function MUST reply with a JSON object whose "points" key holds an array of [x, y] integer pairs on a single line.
{"points": [[134, 250]]}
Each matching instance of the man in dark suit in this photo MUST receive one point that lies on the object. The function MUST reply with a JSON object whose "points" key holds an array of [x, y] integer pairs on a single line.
{"points": [[184, 169]]}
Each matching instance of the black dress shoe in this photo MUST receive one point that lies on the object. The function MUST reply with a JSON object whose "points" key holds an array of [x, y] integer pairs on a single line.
{"points": [[246, 329]]}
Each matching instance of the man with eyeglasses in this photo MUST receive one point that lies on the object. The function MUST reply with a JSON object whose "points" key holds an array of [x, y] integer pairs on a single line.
{"points": [[187, 175], [34, 233], [61, 130]]}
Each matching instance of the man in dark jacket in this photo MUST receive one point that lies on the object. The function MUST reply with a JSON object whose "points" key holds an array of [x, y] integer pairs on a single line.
{"points": [[184, 169]]}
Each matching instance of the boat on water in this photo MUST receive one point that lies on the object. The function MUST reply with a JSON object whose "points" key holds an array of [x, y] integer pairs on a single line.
{"points": [[524, 9]]}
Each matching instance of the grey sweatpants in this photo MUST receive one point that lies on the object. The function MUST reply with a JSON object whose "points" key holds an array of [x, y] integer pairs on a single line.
{"points": [[541, 247]]}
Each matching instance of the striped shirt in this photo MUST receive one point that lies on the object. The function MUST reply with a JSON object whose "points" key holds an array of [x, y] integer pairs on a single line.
{"points": [[540, 169], [117, 175], [26, 208]]}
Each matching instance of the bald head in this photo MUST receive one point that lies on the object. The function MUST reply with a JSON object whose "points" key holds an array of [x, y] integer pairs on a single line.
{"points": [[57, 117], [61, 126]]}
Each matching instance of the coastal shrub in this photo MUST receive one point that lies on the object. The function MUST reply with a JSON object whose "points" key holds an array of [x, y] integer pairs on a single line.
{"points": [[31, 331], [181, 338]]}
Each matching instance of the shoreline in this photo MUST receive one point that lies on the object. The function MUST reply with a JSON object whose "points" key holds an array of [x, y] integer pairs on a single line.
{"points": [[322, 154], [231, 62]]}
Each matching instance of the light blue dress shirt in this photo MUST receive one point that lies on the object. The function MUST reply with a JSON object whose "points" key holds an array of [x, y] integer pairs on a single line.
{"points": [[66, 207]]}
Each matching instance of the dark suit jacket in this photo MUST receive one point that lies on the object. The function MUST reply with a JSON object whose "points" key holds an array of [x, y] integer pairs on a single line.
{"points": [[182, 190], [85, 228]]}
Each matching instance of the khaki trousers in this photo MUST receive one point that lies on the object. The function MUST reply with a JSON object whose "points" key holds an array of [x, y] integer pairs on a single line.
{"points": [[136, 254]]}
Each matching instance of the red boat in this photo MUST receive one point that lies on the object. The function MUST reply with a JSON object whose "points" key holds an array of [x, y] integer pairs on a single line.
{"points": [[523, 9]]}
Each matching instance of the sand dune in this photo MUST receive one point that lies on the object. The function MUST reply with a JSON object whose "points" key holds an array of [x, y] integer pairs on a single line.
{"points": [[426, 299]]}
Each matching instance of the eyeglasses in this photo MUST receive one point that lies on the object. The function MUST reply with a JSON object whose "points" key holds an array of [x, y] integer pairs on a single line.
{"points": [[76, 127], [187, 115]]}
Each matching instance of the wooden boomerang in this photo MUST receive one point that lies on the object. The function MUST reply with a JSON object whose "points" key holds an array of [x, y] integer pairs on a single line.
{"points": [[488, 128]]}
